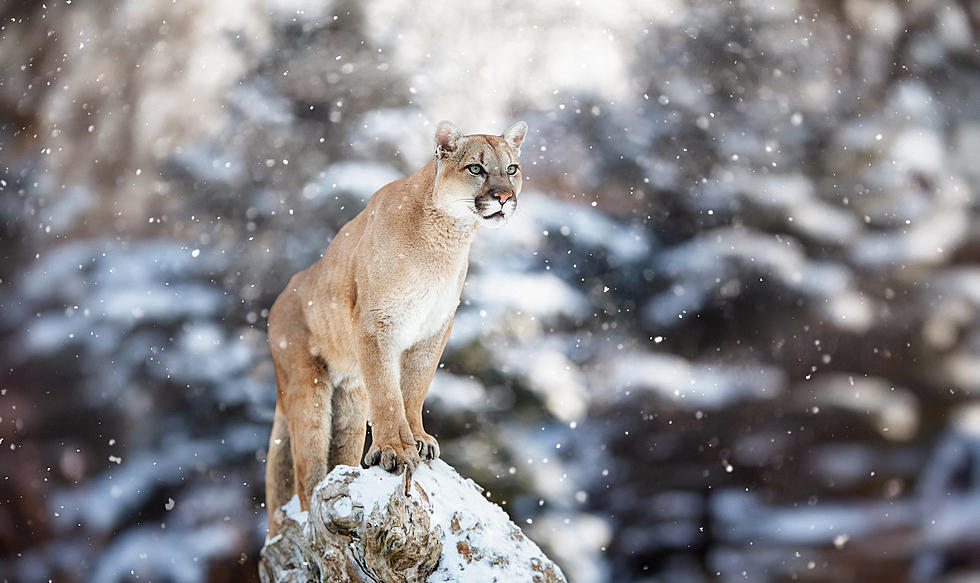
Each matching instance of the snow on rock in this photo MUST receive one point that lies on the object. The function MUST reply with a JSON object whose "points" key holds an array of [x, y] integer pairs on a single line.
{"points": [[362, 526]]}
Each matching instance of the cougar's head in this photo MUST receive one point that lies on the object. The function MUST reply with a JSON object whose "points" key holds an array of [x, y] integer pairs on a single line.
{"points": [[478, 177]]}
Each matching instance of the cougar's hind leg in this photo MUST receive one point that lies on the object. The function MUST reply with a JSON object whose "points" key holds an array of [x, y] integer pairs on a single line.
{"points": [[310, 413], [349, 423], [303, 397], [279, 483]]}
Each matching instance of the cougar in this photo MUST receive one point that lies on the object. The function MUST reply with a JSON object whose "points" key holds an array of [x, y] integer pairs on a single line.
{"points": [[356, 338]]}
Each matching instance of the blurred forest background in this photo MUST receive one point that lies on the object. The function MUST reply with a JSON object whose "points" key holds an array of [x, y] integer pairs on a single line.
{"points": [[734, 324]]}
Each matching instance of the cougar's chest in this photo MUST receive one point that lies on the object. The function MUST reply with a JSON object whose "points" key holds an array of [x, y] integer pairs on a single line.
{"points": [[424, 308]]}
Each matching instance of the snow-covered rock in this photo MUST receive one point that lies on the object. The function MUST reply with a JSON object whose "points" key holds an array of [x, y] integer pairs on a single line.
{"points": [[362, 526]]}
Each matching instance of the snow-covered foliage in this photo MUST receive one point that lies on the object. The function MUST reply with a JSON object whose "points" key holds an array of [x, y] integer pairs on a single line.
{"points": [[732, 333]]}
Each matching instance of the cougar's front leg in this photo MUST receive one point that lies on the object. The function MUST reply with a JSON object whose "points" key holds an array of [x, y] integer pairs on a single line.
{"points": [[392, 444], [419, 364]]}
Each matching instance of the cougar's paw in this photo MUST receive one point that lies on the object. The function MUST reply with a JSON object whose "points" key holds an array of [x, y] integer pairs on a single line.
{"points": [[427, 446], [392, 458]]}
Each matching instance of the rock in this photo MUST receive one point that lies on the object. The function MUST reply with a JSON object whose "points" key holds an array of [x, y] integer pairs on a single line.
{"points": [[362, 526]]}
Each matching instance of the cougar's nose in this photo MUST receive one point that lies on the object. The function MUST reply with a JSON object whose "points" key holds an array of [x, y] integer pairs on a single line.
{"points": [[502, 196]]}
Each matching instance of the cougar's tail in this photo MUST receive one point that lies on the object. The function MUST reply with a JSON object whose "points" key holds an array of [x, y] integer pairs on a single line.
{"points": [[280, 482]]}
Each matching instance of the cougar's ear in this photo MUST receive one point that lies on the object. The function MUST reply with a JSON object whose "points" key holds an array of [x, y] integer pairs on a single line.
{"points": [[447, 138], [515, 134]]}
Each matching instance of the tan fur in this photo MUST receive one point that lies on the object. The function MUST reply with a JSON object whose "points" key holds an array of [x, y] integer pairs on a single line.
{"points": [[357, 337]]}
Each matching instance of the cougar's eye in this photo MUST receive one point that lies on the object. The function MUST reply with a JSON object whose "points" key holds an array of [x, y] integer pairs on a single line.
{"points": [[475, 169], [512, 169]]}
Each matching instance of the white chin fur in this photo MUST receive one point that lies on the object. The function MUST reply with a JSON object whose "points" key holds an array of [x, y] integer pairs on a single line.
{"points": [[495, 222]]}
